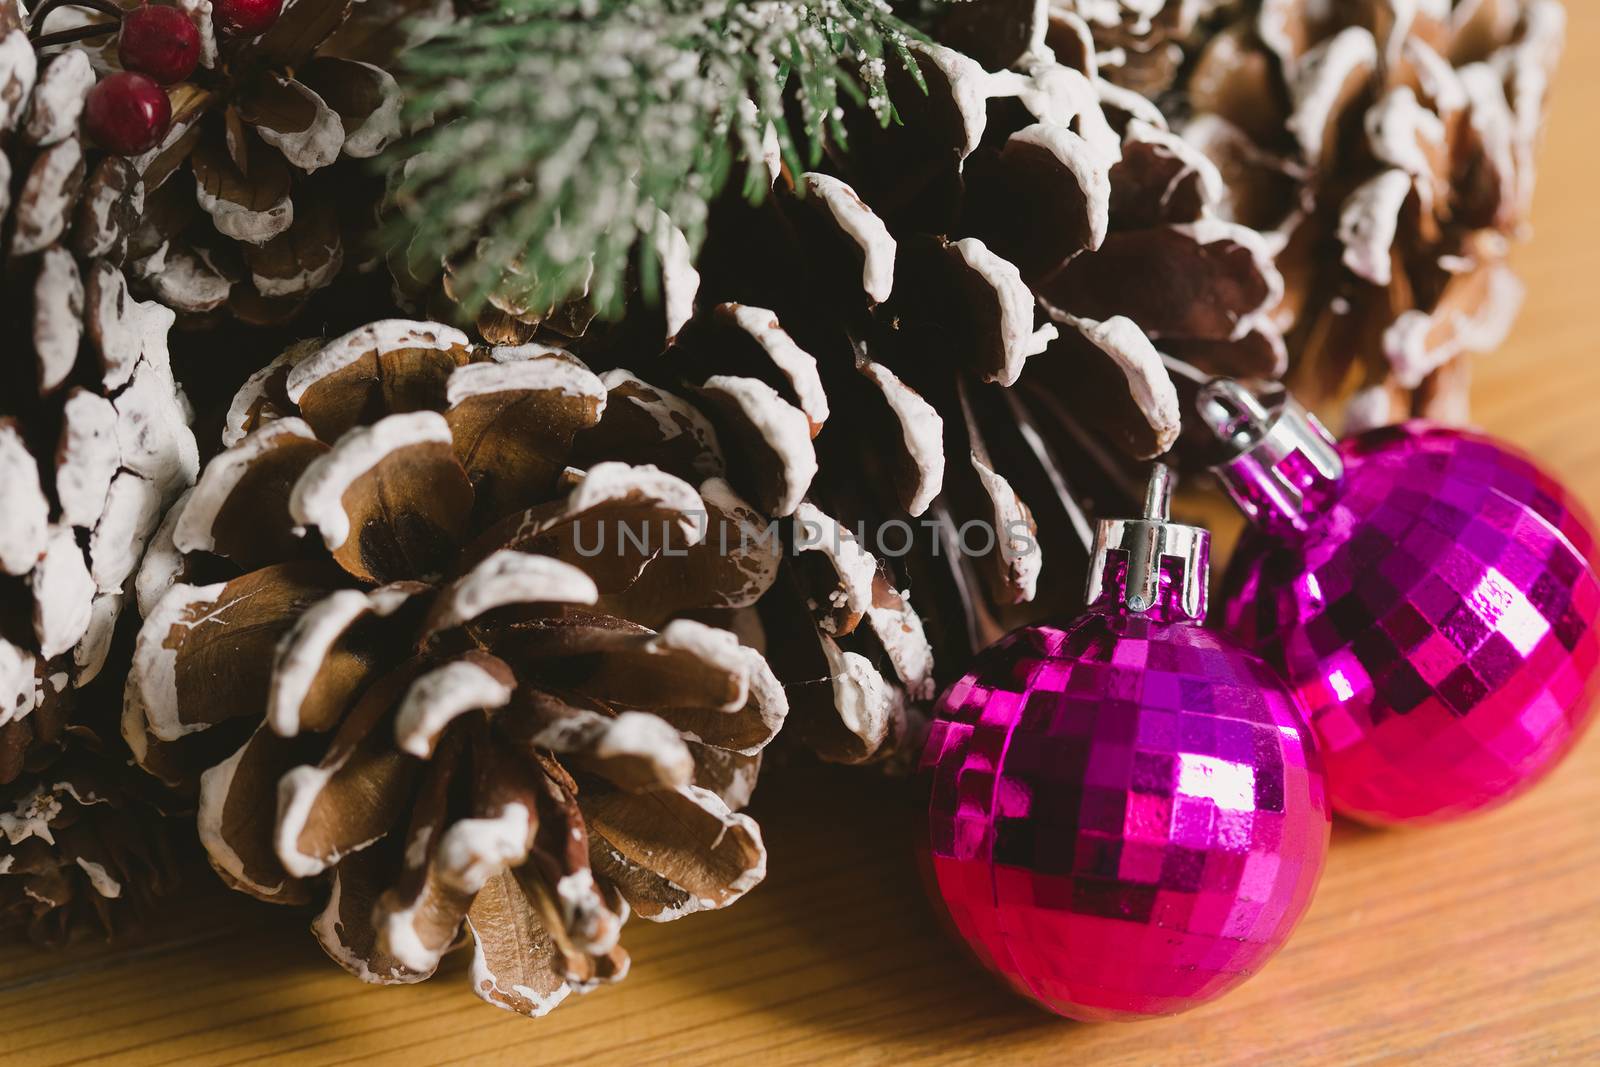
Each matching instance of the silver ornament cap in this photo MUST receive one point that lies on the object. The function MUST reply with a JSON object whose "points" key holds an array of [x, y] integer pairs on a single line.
{"points": [[1284, 463], [1151, 565]]}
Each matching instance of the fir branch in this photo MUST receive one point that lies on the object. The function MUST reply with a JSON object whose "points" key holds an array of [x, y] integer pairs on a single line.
{"points": [[566, 133]]}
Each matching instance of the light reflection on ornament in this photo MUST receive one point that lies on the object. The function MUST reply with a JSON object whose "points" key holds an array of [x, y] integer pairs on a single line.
{"points": [[1429, 593]]}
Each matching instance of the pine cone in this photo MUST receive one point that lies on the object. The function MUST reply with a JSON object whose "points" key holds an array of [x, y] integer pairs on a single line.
{"points": [[508, 315], [1388, 152], [978, 314], [85, 847], [485, 690], [1135, 44], [256, 193], [94, 443]]}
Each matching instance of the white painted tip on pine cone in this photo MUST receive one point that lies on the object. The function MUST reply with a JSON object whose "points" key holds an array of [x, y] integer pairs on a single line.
{"points": [[385, 335], [509, 577], [862, 225], [532, 375], [442, 695], [921, 430], [318, 496]]}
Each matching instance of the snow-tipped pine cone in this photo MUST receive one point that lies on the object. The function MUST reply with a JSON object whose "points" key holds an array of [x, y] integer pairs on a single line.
{"points": [[441, 633], [1135, 44], [84, 848], [1386, 148], [982, 313], [94, 444], [259, 191]]}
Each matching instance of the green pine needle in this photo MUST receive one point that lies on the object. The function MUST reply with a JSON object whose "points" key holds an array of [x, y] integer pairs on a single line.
{"points": [[563, 130]]}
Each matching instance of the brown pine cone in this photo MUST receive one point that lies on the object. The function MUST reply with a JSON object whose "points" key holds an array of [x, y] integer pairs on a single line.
{"points": [[980, 314], [508, 314], [83, 846], [1135, 44], [258, 191], [1387, 150], [94, 444], [447, 630]]}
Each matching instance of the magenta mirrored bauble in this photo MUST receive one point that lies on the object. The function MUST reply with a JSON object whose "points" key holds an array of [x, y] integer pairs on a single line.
{"points": [[1437, 616], [1127, 814]]}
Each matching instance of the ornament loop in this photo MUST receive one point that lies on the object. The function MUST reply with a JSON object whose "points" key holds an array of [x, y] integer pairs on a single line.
{"points": [[1286, 465], [1151, 565]]}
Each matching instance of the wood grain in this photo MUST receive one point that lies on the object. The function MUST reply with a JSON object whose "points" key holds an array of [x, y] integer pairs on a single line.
{"points": [[1474, 944]]}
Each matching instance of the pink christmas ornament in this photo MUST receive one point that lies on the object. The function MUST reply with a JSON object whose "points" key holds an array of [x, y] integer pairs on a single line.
{"points": [[1127, 813], [1429, 594]]}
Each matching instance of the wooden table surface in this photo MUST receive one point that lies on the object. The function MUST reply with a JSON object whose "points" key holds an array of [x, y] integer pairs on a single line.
{"points": [[1474, 944]]}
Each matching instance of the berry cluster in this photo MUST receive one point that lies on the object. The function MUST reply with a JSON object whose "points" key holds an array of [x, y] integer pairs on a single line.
{"points": [[128, 112]]}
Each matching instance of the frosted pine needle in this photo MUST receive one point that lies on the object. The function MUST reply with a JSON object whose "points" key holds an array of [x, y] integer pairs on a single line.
{"points": [[561, 127]]}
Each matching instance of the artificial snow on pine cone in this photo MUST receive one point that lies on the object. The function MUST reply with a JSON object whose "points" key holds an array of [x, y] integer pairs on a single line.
{"points": [[82, 848], [94, 444], [1136, 44], [962, 326], [454, 637], [1387, 149], [258, 191]]}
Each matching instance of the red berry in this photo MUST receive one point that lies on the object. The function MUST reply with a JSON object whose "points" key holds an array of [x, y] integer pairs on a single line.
{"points": [[245, 18], [127, 113], [160, 42]]}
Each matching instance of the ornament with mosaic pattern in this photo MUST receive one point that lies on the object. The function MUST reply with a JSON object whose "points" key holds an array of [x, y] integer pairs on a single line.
{"points": [[1429, 593], [1127, 814]]}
